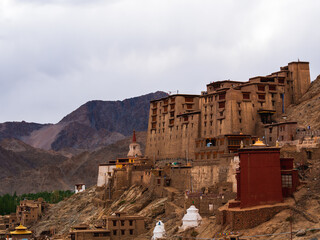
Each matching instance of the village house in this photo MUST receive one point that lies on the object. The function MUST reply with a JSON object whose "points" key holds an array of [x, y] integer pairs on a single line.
{"points": [[123, 226], [29, 211]]}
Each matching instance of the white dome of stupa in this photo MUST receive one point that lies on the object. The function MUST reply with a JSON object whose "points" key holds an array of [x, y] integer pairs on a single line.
{"points": [[192, 218], [158, 231]]}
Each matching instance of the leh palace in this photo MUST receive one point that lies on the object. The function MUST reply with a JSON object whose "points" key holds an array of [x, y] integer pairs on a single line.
{"points": [[215, 165]]}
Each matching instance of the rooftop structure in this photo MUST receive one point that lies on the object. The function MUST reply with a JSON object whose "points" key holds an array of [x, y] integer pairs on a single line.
{"points": [[82, 232], [21, 232]]}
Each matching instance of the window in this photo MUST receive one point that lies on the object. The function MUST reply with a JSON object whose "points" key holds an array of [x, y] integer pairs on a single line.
{"points": [[131, 231], [114, 232], [260, 88], [222, 96], [272, 87], [286, 181], [189, 106], [122, 232], [221, 104], [189, 99], [270, 130], [122, 222], [114, 223], [246, 96], [261, 97], [130, 222]]}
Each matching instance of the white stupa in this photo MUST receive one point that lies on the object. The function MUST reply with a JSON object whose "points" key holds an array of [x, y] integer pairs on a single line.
{"points": [[192, 218], [158, 231]]}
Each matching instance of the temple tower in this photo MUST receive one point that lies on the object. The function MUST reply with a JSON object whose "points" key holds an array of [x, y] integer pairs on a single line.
{"points": [[134, 147]]}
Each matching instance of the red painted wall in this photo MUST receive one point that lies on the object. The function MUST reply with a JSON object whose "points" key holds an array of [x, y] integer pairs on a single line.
{"points": [[260, 176]]}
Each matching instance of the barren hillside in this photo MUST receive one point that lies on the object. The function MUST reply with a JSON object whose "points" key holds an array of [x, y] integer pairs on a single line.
{"points": [[25, 169], [307, 112], [87, 207]]}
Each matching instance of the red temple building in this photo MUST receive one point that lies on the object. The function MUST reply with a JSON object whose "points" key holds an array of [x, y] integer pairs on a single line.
{"points": [[264, 180], [264, 177]]}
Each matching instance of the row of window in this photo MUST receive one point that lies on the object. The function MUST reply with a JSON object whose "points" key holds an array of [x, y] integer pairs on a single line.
{"points": [[122, 232], [122, 222]]}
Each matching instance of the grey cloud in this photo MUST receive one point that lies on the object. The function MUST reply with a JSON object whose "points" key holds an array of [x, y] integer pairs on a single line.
{"points": [[56, 55]]}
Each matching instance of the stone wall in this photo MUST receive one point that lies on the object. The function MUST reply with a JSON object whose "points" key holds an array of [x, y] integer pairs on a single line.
{"points": [[239, 219]]}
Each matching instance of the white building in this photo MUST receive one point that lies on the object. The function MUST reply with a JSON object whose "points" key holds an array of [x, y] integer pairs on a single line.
{"points": [[105, 173], [79, 188], [192, 218]]}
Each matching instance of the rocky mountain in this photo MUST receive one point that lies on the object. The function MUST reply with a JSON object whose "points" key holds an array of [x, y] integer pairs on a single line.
{"points": [[92, 125], [18, 129], [25, 169], [307, 111]]}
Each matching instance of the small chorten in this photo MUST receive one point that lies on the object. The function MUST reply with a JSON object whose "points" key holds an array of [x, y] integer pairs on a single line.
{"points": [[192, 218], [134, 147], [159, 231]]}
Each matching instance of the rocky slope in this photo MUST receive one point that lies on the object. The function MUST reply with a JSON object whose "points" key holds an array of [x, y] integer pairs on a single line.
{"points": [[307, 111], [25, 169], [88, 207]]}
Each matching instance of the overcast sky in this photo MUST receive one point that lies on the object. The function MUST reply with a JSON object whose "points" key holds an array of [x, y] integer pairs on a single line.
{"points": [[55, 55]]}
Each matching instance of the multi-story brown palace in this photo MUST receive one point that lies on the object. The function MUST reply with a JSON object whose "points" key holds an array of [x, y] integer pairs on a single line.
{"points": [[228, 114]]}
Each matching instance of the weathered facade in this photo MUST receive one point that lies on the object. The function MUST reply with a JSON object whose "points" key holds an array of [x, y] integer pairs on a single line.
{"points": [[178, 122], [283, 131], [29, 211], [123, 226]]}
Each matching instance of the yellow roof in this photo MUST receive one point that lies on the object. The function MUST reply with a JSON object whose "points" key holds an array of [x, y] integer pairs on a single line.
{"points": [[20, 230], [21, 227]]}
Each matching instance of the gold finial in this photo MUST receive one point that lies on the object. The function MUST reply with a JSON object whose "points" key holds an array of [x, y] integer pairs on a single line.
{"points": [[259, 143]]}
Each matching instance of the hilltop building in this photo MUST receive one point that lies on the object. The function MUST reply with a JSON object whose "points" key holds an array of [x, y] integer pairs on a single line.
{"points": [[79, 187], [204, 127]]}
